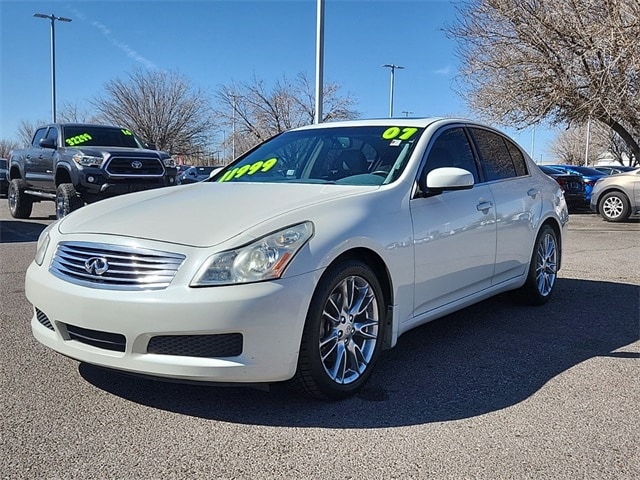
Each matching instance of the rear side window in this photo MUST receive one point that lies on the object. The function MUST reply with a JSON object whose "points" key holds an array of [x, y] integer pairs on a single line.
{"points": [[494, 155], [518, 158]]}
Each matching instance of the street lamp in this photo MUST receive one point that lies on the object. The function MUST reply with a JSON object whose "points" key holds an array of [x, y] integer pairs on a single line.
{"points": [[53, 18], [393, 68]]}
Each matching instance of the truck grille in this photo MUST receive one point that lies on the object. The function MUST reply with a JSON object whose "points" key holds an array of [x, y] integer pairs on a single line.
{"points": [[114, 267], [139, 166]]}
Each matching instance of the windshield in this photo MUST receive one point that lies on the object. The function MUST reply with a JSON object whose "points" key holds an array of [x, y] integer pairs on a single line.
{"points": [[368, 155], [95, 136]]}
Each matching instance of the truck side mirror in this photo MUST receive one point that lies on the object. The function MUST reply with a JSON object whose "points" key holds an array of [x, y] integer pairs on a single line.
{"points": [[47, 143]]}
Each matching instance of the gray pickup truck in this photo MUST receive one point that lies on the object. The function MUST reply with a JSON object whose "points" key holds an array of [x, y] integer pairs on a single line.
{"points": [[73, 164]]}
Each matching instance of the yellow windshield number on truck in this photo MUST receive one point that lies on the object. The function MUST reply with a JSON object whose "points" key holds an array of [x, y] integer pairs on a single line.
{"points": [[126, 132], [250, 169], [78, 139]]}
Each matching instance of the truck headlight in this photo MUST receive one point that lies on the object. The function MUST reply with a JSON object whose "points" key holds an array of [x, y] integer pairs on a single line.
{"points": [[264, 259], [169, 162], [87, 160]]}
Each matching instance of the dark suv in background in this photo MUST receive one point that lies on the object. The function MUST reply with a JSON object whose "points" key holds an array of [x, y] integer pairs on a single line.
{"points": [[4, 182]]}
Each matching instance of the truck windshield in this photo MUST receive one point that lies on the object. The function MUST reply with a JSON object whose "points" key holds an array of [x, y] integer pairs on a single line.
{"points": [[83, 136]]}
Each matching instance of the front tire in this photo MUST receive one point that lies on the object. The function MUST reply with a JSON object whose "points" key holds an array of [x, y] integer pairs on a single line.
{"points": [[67, 200], [543, 268], [20, 203], [614, 207], [343, 333]]}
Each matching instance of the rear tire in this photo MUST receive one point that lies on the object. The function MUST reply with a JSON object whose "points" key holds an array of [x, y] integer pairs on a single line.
{"points": [[614, 207], [543, 268], [343, 333], [67, 200], [20, 203]]}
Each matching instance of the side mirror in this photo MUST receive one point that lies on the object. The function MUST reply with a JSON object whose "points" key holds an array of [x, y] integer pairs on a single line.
{"points": [[446, 178], [47, 143], [151, 146]]}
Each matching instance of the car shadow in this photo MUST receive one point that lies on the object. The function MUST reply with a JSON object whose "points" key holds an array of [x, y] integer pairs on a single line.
{"points": [[16, 231], [481, 359]]}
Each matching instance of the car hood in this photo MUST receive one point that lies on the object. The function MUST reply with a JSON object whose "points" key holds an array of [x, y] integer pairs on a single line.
{"points": [[201, 214]]}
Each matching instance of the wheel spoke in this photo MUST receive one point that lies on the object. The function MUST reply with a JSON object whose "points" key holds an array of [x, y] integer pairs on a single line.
{"points": [[340, 365]]}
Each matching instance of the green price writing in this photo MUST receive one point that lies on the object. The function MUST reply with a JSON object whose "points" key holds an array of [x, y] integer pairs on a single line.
{"points": [[126, 132], [78, 139], [259, 166], [400, 133]]}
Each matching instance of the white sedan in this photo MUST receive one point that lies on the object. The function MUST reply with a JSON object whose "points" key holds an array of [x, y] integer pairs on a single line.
{"points": [[303, 259]]}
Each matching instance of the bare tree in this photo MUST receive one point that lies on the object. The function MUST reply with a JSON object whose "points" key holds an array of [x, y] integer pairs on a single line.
{"points": [[72, 113], [251, 112], [525, 61], [570, 146], [6, 146], [163, 108], [26, 129]]}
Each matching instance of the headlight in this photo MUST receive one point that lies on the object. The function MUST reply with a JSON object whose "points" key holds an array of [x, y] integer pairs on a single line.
{"points": [[87, 160], [169, 162], [264, 259], [43, 244]]}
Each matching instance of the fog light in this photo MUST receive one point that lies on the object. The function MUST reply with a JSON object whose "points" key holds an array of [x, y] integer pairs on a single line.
{"points": [[91, 179]]}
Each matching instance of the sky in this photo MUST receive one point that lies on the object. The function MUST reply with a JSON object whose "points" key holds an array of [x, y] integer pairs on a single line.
{"points": [[217, 42]]}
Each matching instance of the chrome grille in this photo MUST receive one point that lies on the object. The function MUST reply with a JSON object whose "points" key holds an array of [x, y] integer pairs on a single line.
{"points": [[114, 267]]}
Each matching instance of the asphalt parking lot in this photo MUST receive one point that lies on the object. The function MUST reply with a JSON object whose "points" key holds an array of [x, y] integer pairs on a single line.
{"points": [[496, 391]]}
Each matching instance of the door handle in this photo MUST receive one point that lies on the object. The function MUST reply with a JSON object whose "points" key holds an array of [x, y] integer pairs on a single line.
{"points": [[533, 192], [484, 207]]}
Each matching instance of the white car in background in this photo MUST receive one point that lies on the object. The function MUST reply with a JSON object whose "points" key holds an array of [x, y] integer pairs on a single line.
{"points": [[303, 259]]}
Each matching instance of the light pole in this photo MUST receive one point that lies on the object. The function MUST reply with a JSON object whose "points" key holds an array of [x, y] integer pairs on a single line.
{"points": [[393, 68], [319, 60], [53, 18]]}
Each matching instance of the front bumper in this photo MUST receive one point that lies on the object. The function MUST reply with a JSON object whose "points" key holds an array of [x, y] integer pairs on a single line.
{"points": [[94, 185], [115, 329]]}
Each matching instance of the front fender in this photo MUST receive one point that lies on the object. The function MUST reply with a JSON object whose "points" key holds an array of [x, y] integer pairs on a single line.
{"points": [[66, 171]]}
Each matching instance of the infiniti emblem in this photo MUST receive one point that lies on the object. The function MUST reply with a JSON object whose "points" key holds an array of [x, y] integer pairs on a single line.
{"points": [[96, 265], [137, 164]]}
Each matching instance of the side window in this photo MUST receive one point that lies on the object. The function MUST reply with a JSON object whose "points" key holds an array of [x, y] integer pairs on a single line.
{"points": [[518, 159], [494, 154], [39, 135], [451, 149]]}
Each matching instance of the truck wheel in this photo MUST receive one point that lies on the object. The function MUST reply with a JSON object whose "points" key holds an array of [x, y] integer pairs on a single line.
{"points": [[20, 203], [67, 200]]}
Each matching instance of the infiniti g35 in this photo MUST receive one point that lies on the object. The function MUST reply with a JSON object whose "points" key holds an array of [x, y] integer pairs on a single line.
{"points": [[303, 259]]}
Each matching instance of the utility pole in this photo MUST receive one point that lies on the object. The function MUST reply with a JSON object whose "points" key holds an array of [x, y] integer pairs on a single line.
{"points": [[53, 18], [393, 68]]}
